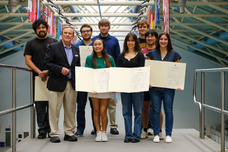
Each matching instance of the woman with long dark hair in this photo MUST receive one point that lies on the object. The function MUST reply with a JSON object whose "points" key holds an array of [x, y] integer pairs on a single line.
{"points": [[163, 52], [100, 59], [132, 57]]}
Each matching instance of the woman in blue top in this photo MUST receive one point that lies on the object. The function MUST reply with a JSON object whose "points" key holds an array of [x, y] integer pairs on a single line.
{"points": [[132, 57], [100, 59], [163, 52]]}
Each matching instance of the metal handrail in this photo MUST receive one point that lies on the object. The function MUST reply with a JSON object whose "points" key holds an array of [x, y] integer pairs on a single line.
{"points": [[14, 109], [202, 104]]}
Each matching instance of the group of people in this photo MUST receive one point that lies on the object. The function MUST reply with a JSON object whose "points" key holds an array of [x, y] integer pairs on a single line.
{"points": [[57, 60]]}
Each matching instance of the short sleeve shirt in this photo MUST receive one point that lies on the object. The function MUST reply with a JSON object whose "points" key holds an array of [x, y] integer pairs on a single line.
{"points": [[37, 48], [171, 56]]}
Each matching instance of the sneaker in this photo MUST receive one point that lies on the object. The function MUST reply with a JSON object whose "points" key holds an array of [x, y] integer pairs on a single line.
{"points": [[168, 139], [104, 137], [99, 137], [156, 139], [144, 135], [79, 133], [150, 131], [161, 136]]}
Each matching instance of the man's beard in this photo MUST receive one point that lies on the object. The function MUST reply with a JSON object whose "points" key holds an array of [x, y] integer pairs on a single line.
{"points": [[43, 35], [86, 39]]}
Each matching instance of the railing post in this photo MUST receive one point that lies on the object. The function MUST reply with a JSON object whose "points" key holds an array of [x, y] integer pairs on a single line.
{"points": [[32, 110], [202, 113], [222, 109], [14, 113]]}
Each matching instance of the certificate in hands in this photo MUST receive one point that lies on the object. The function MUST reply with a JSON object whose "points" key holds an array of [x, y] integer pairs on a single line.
{"points": [[41, 91], [112, 79], [89, 80], [129, 79], [167, 74], [84, 52]]}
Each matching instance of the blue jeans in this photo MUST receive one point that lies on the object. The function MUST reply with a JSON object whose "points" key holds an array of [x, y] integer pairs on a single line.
{"points": [[134, 100], [81, 104], [157, 96]]}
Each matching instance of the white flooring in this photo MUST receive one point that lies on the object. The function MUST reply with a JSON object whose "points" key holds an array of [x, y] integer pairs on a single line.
{"points": [[184, 140]]}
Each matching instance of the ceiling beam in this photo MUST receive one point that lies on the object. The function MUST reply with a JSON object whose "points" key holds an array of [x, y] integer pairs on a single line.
{"points": [[205, 20], [200, 50], [129, 15], [12, 28], [114, 3], [205, 58], [102, 3], [222, 63], [11, 48], [200, 31], [113, 15], [219, 8], [15, 38], [122, 24], [201, 42]]}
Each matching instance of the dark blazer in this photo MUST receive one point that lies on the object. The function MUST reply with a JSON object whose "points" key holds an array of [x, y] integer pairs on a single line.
{"points": [[55, 60]]}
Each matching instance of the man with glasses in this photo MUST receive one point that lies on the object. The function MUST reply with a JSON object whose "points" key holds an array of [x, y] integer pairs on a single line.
{"points": [[86, 32]]}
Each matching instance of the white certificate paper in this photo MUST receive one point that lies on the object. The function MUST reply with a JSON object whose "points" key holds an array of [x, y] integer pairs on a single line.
{"points": [[167, 74], [41, 91], [84, 52], [112, 79], [129, 79], [89, 80]]}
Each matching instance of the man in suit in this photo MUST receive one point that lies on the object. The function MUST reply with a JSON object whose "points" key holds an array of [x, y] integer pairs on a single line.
{"points": [[61, 59]]}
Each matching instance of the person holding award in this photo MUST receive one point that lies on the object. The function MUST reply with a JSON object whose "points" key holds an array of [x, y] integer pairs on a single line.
{"points": [[100, 59], [129, 58], [163, 52]]}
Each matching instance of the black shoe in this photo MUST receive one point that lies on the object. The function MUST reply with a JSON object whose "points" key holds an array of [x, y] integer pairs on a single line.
{"points": [[127, 140], [70, 138], [93, 132], [134, 140], [114, 131], [41, 136], [55, 139]]}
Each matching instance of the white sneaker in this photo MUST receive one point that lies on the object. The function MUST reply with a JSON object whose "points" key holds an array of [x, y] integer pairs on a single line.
{"points": [[104, 137], [144, 135], [168, 139], [98, 138], [161, 136], [156, 139], [150, 131]]}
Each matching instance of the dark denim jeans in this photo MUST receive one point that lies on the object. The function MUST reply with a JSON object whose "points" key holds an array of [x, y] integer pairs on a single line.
{"points": [[81, 104], [134, 100], [157, 96]]}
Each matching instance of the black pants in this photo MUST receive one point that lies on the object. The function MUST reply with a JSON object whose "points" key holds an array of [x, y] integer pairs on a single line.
{"points": [[42, 116]]}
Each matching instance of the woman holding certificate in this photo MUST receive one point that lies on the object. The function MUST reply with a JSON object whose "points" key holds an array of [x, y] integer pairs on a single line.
{"points": [[100, 59], [129, 58], [147, 127], [163, 52]]}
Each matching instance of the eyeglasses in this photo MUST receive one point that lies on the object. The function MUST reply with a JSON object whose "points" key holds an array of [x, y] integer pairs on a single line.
{"points": [[86, 31]]}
